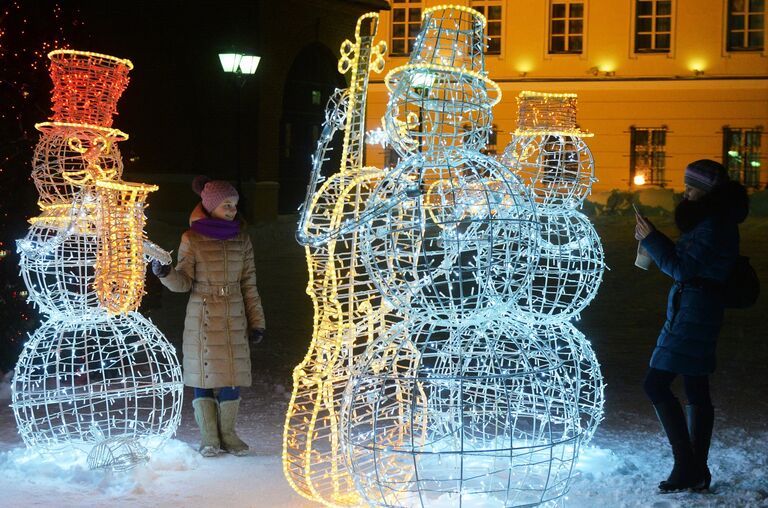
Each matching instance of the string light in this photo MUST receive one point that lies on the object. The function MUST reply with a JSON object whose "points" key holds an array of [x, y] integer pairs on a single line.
{"points": [[548, 153], [95, 377], [547, 113], [348, 312], [120, 264], [436, 371], [86, 86]]}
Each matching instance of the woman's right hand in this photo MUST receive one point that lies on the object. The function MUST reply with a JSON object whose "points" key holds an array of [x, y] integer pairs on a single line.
{"points": [[643, 228]]}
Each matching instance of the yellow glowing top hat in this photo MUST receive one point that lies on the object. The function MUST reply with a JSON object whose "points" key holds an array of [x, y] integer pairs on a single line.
{"points": [[547, 113]]}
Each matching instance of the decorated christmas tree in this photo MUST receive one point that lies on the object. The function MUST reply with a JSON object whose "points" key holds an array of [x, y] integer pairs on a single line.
{"points": [[28, 31]]}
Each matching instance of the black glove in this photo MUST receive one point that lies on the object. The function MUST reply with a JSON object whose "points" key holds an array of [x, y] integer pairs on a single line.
{"points": [[160, 269], [256, 335]]}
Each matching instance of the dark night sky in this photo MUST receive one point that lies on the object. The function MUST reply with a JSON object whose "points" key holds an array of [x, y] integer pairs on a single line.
{"points": [[178, 108]]}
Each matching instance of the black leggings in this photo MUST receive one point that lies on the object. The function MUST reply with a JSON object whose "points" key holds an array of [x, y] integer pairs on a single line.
{"points": [[657, 386]]}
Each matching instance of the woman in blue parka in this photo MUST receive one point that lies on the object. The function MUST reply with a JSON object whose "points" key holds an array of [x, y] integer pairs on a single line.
{"points": [[700, 263]]}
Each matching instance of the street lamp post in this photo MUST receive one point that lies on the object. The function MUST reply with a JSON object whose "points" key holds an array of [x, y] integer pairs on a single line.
{"points": [[240, 66]]}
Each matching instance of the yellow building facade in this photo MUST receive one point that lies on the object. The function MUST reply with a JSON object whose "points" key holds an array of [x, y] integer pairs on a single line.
{"points": [[660, 82]]}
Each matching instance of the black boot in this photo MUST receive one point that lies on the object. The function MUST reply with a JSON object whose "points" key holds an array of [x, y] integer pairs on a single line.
{"points": [[701, 419], [683, 475]]}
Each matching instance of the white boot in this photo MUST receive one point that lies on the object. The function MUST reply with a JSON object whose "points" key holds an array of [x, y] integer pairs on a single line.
{"points": [[230, 442]]}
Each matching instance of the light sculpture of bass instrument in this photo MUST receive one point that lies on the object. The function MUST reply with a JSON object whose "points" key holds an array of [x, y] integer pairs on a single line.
{"points": [[348, 311]]}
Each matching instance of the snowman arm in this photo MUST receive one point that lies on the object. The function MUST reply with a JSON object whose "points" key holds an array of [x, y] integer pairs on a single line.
{"points": [[153, 251]]}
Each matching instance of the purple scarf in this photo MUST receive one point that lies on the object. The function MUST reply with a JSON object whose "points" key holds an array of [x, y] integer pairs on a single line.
{"points": [[218, 229]]}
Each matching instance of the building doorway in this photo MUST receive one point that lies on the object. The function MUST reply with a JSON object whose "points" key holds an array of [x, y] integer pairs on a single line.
{"points": [[311, 80]]}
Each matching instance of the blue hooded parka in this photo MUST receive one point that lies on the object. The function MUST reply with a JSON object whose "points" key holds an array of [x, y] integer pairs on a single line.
{"points": [[700, 263]]}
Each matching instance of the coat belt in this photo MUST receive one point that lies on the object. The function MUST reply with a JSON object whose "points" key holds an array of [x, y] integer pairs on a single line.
{"points": [[701, 283], [218, 290]]}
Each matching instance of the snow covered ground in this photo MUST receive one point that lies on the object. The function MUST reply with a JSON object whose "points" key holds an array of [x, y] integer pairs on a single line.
{"points": [[627, 458]]}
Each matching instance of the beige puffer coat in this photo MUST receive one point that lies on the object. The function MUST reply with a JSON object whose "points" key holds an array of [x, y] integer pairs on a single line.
{"points": [[223, 306]]}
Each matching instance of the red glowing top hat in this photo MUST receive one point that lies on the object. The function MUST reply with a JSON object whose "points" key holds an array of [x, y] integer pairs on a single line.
{"points": [[87, 86]]}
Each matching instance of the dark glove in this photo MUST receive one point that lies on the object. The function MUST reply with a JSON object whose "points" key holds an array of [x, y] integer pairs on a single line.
{"points": [[256, 335], [160, 269]]}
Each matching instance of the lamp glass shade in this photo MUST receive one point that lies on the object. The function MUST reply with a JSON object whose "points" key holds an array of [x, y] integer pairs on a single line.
{"points": [[228, 61], [237, 62], [249, 63]]}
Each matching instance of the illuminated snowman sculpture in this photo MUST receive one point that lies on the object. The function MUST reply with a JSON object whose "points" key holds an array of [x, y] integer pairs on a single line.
{"points": [[96, 377], [461, 402], [550, 156]]}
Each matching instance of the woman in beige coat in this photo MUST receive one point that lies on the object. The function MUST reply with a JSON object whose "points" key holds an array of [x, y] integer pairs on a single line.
{"points": [[215, 263]]}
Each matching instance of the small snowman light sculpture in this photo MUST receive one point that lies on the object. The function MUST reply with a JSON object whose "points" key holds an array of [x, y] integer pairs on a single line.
{"points": [[550, 156]]}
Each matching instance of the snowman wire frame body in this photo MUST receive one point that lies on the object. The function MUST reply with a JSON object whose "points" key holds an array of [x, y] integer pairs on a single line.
{"points": [[58, 163], [477, 415], [58, 261], [567, 272], [550, 156], [81, 381], [461, 241], [557, 168], [461, 402]]}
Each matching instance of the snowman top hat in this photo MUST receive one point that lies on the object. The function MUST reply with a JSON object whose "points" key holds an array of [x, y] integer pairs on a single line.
{"points": [[542, 113], [451, 40], [86, 86], [443, 96]]}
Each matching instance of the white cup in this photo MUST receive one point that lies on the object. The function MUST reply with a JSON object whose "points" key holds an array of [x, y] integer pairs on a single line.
{"points": [[643, 260]]}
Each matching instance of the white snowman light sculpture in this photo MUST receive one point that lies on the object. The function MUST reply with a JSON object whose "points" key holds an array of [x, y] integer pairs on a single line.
{"points": [[462, 403], [549, 154], [97, 377]]}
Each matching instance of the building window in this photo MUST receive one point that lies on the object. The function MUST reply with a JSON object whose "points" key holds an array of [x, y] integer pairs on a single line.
{"points": [[391, 157], [653, 26], [746, 25], [493, 139], [406, 24], [492, 11], [741, 155], [647, 157], [566, 26]]}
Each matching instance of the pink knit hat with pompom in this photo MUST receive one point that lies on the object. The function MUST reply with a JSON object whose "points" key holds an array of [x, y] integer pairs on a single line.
{"points": [[213, 192]]}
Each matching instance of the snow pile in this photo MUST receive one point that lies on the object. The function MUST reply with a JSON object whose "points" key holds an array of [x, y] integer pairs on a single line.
{"points": [[70, 474], [621, 469], [627, 470]]}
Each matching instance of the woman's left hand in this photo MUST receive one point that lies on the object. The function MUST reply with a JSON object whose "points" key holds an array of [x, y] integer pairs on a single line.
{"points": [[643, 228], [256, 335]]}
